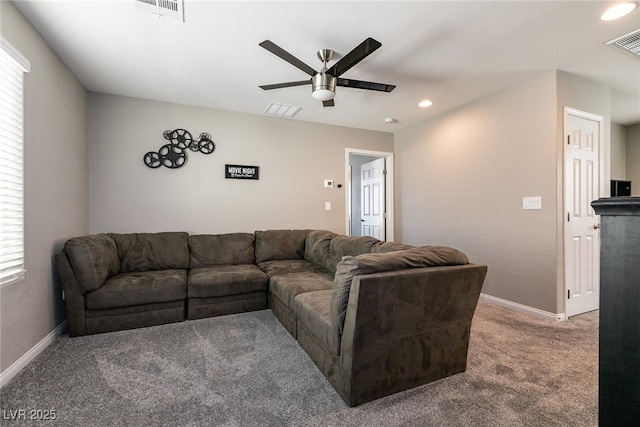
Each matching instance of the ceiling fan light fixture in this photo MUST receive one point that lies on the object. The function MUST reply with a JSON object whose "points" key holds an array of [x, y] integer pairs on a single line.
{"points": [[323, 86], [323, 94]]}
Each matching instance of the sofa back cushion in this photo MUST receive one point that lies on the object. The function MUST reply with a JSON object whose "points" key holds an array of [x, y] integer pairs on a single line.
{"points": [[221, 249], [381, 247], [350, 267], [348, 246], [280, 244], [152, 251], [316, 247], [93, 259]]}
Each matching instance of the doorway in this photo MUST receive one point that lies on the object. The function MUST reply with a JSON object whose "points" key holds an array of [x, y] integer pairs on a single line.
{"points": [[583, 182], [369, 195]]}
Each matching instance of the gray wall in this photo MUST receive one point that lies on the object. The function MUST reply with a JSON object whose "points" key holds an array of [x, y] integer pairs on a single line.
{"points": [[460, 182], [294, 159], [618, 151], [56, 188], [633, 158], [461, 177], [625, 155]]}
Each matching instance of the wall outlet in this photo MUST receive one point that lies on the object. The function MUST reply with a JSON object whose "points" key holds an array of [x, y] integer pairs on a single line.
{"points": [[327, 206]]}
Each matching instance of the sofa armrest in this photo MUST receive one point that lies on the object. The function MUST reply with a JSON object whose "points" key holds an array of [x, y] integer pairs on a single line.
{"points": [[406, 328], [73, 296]]}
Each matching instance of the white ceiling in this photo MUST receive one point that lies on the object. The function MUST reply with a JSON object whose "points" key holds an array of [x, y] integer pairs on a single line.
{"points": [[451, 52]]}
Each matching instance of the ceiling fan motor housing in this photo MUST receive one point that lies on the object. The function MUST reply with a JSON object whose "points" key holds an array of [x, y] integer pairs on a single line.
{"points": [[323, 86]]}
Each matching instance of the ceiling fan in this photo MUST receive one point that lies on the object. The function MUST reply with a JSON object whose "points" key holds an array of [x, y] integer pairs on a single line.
{"points": [[323, 83]]}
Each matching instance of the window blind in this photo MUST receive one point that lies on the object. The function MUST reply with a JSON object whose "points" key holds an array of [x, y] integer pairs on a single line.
{"points": [[12, 67]]}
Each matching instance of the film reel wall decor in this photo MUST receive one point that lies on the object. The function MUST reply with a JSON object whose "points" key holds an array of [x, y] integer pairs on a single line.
{"points": [[174, 154]]}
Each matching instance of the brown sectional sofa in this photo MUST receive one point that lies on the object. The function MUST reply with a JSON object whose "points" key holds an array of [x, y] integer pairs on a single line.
{"points": [[376, 317]]}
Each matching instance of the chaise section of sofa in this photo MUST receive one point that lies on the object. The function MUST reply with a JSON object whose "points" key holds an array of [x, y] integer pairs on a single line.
{"points": [[392, 321], [223, 277]]}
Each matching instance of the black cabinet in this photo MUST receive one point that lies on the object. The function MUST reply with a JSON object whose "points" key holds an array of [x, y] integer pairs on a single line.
{"points": [[619, 353]]}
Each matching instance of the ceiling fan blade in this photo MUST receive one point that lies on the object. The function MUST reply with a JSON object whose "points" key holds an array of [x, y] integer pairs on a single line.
{"points": [[361, 51], [278, 51], [287, 84], [329, 103], [359, 84]]}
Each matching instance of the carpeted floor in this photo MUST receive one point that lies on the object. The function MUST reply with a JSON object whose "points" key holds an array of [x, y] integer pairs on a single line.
{"points": [[246, 370]]}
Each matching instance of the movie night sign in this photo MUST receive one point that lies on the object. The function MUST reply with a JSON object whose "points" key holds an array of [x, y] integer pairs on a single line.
{"points": [[241, 172]]}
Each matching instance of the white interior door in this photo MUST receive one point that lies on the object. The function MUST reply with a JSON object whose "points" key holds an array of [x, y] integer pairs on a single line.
{"points": [[583, 135], [372, 188]]}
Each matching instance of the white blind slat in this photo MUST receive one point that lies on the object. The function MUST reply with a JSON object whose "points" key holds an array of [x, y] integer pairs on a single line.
{"points": [[12, 67]]}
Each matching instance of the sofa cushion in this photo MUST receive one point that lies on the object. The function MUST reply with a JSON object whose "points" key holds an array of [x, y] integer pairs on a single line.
{"points": [[349, 267], [288, 286], [152, 251], [143, 287], [316, 246], [288, 266], [348, 246], [221, 280], [94, 259], [280, 244], [382, 247], [312, 309], [221, 249]]}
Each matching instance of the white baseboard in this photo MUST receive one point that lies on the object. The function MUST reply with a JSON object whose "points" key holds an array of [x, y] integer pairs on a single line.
{"points": [[19, 364], [523, 308]]}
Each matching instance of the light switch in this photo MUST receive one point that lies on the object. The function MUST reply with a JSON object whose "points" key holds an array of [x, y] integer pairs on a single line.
{"points": [[529, 203], [327, 206], [328, 183]]}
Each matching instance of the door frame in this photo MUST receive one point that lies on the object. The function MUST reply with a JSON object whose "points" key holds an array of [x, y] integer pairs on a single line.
{"points": [[389, 198], [603, 191]]}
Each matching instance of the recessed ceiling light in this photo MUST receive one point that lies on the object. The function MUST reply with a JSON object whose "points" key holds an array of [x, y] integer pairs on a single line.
{"points": [[425, 103], [618, 11]]}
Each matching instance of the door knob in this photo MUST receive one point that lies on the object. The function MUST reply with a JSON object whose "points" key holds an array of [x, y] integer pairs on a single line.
{"points": [[362, 220], [596, 226]]}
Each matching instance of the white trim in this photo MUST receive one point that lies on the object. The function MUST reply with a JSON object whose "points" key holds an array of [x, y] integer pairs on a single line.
{"points": [[523, 308], [583, 114], [26, 358], [15, 54], [390, 226]]}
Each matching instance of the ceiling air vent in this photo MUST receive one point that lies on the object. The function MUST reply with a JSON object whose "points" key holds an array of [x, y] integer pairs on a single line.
{"points": [[163, 8], [282, 110], [629, 43]]}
